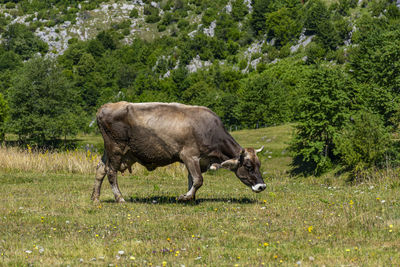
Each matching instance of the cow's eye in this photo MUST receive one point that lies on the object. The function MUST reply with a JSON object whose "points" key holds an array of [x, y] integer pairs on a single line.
{"points": [[249, 167]]}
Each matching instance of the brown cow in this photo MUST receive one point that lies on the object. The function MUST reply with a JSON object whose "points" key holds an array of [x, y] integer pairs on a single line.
{"points": [[158, 134]]}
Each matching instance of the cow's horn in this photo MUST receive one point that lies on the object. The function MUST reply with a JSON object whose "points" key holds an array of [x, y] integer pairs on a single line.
{"points": [[260, 149]]}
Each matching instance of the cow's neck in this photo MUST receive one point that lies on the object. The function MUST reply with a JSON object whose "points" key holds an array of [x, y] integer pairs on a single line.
{"points": [[231, 149]]}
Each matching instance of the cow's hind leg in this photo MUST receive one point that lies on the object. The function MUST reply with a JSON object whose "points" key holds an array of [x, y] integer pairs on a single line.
{"points": [[193, 166], [100, 174], [112, 178]]}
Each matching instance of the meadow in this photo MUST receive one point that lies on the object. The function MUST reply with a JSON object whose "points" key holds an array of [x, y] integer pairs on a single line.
{"points": [[47, 218]]}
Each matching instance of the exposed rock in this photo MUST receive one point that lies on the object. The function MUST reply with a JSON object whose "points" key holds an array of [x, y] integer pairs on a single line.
{"points": [[192, 34], [228, 7], [303, 41], [348, 41], [248, 3], [210, 30], [254, 48], [196, 63]]}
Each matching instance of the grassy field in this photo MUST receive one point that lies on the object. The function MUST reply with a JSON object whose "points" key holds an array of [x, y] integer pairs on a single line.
{"points": [[47, 218]]}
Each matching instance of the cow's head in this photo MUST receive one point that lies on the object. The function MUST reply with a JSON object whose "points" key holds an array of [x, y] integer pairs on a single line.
{"points": [[247, 168]]}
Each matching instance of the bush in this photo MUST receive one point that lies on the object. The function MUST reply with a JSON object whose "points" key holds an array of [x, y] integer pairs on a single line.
{"points": [[134, 13], [161, 27], [239, 10], [4, 111], [314, 52], [10, 5], [152, 14], [362, 143], [183, 23]]}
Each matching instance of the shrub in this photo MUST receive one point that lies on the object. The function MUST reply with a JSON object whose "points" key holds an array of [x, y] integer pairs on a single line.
{"points": [[183, 23], [314, 52], [10, 5], [152, 14], [4, 111], [161, 27], [362, 143], [134, 13], [239, 10]]}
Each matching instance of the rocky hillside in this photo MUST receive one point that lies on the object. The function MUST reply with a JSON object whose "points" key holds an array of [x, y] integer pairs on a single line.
{"points": [[59, 24]]}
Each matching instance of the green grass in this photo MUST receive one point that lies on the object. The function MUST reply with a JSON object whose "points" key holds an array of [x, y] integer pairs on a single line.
{"points": [[294, 219]]}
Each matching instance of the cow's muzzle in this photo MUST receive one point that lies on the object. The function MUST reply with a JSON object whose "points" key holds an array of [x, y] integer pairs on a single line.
{"points": [[258, 188]]}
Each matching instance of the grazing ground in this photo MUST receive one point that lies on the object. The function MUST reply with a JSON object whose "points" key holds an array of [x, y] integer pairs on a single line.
{"points": [[47, 218]]}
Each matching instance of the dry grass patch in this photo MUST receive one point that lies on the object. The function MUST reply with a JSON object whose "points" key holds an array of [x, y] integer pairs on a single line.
{"points": [[28, 160]]}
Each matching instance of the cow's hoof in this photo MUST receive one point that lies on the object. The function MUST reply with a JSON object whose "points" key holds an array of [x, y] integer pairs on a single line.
{"points": [[120, 200], [186, 198], [95, 199]]}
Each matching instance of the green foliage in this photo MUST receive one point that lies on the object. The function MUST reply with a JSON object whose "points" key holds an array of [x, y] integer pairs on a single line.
{"points": [[315, 52], [226, 28], [317, 21], [19, 39], [42, 103], [134, 13], [342, 7], [107, 39], [239, 10], [4, 113], [376, 7], [323, 111], [152, 14], [375, 61], [362, 143], [262, 100], [10, 5], [258, 17], [282, 26], [9, 60], [183, 24], [209, 16]]}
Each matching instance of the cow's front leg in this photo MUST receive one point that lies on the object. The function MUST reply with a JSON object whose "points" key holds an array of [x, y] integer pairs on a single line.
{"points": [[190, 181], [112, 178], [195, 179], [100, 174]]}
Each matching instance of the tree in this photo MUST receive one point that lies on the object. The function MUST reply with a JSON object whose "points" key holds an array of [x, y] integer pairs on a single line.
{"points": [[239, 10], [375, 62], [262, 100], [42, 103], [324, 110], [281, 25], [317, 21], [260, 9]]}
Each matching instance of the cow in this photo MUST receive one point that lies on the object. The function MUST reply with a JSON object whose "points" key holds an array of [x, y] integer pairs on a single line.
{"points": [[157, 134]]}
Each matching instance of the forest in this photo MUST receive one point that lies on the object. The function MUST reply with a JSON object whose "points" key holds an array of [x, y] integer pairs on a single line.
{"points": [[341, 90]]}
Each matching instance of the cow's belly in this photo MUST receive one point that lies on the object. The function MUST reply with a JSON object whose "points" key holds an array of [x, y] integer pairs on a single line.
{"points": [[153, 152]]}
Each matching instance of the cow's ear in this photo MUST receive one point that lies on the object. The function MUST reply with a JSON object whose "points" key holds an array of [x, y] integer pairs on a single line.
{"points": [[230, 164]]}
